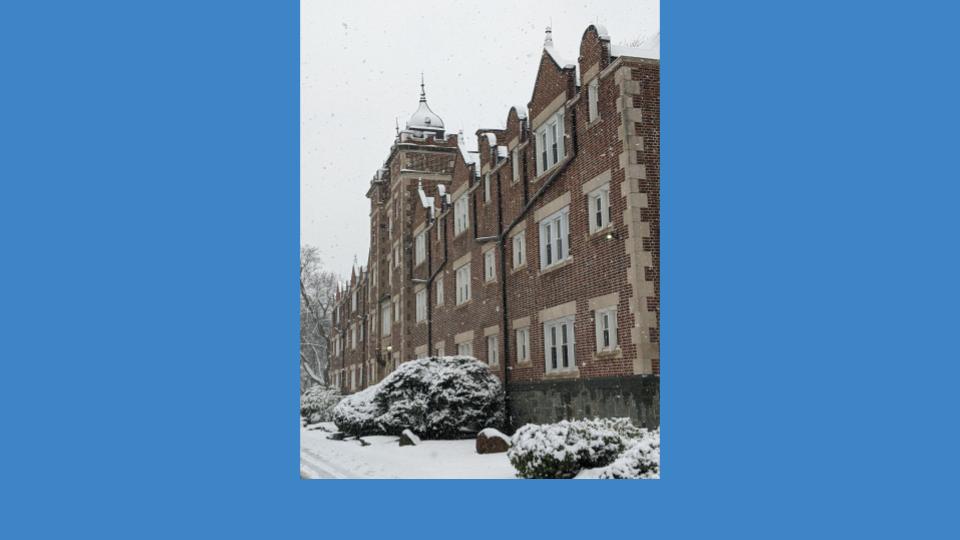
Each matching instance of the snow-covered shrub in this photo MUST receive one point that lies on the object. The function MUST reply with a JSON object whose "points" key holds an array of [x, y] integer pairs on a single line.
{"points": [[439, 397], [356, 414], [563, 449], [642, 460], [317, 403]]}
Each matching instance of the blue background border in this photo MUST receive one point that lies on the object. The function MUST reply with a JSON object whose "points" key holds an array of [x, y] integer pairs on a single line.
{"points": [[150, 220]]}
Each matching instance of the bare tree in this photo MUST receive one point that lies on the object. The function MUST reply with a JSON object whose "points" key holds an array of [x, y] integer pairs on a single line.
{"points": [[317, 292]]}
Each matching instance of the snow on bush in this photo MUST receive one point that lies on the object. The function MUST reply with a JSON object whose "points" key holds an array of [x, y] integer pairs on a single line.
{"points": [[642, 460], [317, 403], [563, 449], [356, 414], [439, 397]]}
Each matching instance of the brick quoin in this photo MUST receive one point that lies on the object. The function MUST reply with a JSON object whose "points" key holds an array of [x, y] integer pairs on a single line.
{"points": [[623, 143]]}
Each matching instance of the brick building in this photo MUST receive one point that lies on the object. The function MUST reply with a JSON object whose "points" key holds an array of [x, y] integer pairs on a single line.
{"points": [[538, 252]]}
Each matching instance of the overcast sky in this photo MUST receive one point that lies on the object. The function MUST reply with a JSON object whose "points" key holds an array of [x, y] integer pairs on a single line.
{"points": [[360, 65]]}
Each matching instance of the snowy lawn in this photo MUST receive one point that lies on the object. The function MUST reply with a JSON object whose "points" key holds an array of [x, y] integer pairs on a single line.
{"points": [[384, 458]]}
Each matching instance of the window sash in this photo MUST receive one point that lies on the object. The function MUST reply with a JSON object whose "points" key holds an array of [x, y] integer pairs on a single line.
{"points": [[523, 344], [440, 292], [559, 345], [606, 329], [554, 236], [592, 97], [493, 357]]}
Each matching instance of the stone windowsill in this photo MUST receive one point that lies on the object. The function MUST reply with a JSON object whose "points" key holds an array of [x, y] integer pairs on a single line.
{"points": [[614, 354], [565, 374], [600, 233], [547, 172], [557, 266], [518, 268]]}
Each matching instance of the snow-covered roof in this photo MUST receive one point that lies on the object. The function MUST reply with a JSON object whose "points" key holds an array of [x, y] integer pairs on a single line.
{"points": [[491, 138], [602, 31], [649, 49], [548, 46], [521, 111], [501, 151]]}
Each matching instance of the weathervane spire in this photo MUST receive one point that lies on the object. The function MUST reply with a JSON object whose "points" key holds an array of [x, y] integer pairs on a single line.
{"points": [[423, 91], [548, 39]]}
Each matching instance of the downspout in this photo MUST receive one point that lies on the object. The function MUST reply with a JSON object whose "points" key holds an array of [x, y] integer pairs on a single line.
{"points": [[502, 241]]}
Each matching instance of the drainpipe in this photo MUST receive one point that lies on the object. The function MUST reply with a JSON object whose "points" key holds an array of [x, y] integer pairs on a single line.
{"points": [[502, 241]]}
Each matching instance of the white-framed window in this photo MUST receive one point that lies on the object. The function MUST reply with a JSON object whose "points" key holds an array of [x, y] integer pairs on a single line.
{"points": [[438, 349], [515, 162], [606, 323], [396, 255], [463, 283], [549, 139], [599, 205], [439, 231], [523, 345], [558, 345], [520, 249], [422, 305], [486, 188], [592, 92], [353, 301], [493, 351], [353, 337], [461, 217], [554, 234], [440, 291], [465, 348], [489, 266], [389, 224], [421, 248], [386, 322], [396, 309]]}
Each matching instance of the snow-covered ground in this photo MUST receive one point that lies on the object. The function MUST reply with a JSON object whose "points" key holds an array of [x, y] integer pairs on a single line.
{"points": [[384, 458]]}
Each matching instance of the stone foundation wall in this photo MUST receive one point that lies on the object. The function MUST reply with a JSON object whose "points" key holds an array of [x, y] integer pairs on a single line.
{"points": [[637, 397]]}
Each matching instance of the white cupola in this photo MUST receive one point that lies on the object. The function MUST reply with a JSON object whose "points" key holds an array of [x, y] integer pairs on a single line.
{"points": [[425, 120]]}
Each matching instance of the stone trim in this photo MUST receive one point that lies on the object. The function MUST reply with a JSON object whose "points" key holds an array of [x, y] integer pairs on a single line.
{"points": [[491, 331], [462, 260], [637, 229], [589, 74], [549, 111], [419, 229], [517, 324], [552, 207], [420, 351], [463, 337], [419, 287], [596, 182], [605, 301], [460, 191], [563, 310], [484, 248], [514, 142], [518, 228]]}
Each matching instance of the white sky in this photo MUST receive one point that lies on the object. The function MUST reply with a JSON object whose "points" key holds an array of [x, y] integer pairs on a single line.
{"points": [[360, 64]]}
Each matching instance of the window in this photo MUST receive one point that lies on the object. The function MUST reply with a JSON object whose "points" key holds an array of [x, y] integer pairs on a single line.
{"points": [[396, 309], [493, 353], [592, 89], [422, 305], [353, 301], [396, 255], [440, 231], [385, 320], [440, 291], [515, 161], [486, 188], [421, 248], [489, 268], [550, 142], [554, 245], [599, 201], [439, 349], [558, 345], [460, 215], [390, 225], [523, 345], [353, 337], [520, 249], [353, 378], [465, 349], [463, 283], [606, 321]]}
